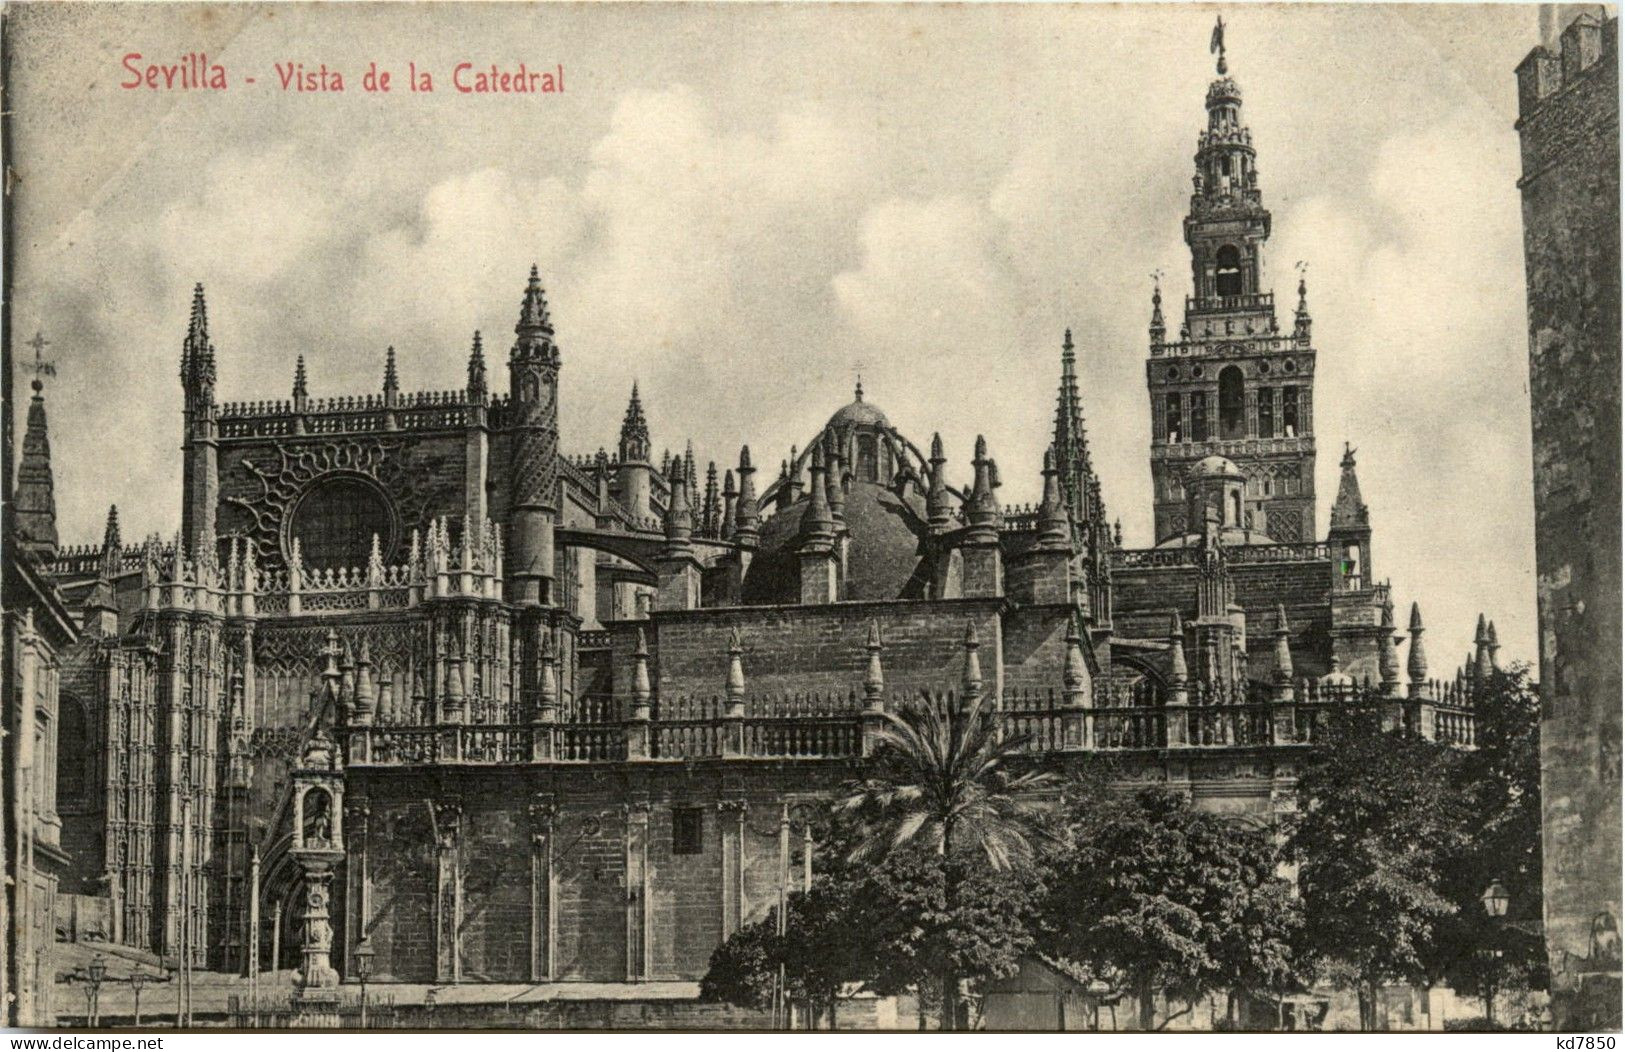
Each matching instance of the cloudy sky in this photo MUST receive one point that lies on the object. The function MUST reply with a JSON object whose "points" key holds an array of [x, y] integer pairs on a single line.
{"points": [[741, 207]]}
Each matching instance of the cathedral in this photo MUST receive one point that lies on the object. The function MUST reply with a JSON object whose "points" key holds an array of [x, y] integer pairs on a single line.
{"points": [[416, 676]]}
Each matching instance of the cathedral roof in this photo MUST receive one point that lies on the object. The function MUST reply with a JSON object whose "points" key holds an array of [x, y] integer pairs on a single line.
{"points": [[858, 413], [883, 556]]}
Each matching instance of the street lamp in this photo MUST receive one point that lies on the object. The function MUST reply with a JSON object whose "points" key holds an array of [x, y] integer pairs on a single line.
{"points": [[138, 979], [363, 971], [97, 972], [1496, 899]]}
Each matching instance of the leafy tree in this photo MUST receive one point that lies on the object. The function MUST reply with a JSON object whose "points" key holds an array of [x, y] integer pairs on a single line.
{"points": [[1170, 899], [953, 808], [1499, 782], [1380, 817]]}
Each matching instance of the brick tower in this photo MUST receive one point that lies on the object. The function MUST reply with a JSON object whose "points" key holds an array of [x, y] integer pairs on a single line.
{"points": [[1232, 384]]}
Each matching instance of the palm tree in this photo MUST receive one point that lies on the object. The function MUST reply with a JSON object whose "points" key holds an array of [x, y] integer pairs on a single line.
{"points": [[942, 776]]}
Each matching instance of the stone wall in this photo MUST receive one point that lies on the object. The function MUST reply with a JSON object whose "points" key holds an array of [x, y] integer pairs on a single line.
{"points": [[1569, 127]]}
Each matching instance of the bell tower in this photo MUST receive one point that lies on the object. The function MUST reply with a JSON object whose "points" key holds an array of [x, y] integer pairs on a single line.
{"points": [[1231, 383]]}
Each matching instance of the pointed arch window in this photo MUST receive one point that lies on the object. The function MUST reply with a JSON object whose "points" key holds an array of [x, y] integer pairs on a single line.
{"points": [[1228, 274]]}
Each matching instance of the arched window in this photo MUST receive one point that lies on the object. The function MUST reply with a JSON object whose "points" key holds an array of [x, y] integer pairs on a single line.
{"points": [[1229, 271], [1235, 507], [1232, 404], [868, 459]]}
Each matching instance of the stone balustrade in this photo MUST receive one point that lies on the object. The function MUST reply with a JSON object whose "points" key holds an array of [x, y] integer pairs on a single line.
{"points": [[839, 727]]}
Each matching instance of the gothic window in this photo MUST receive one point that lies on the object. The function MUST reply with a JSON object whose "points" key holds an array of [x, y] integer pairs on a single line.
{"points": [[73, 778], [1232, 403], [1175, 424], [1266, 412], [1199, 416], [1289, 412], [335, 520], [1229, 271]]}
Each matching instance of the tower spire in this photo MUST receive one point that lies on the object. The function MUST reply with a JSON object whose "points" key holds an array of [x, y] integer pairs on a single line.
{"points": [[1349, 509], [533, 317], [392, 379], [634, 431], [477, 380], [35, 499]]}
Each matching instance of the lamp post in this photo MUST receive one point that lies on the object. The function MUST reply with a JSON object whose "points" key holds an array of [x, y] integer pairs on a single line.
{"points": [[363, 971], [97, 973], [1496, 899], [138, 979]]}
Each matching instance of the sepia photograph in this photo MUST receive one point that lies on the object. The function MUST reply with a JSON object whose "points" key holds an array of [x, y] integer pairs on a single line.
{"points": [[765, 517]]}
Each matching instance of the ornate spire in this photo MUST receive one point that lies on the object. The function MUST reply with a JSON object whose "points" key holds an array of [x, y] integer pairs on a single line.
{"points": [[817, 521], [971, 679], [730, 506], [1054, 532], [734, 686], [1349, 509], [1387, 656], [640, 679], [1416, 662], [1075, 679], [301, 389], [747, 519], [1159, 329], [533, 317], [110, 533], [197, 353], [936, 495], [477, 378], [1178, 670], [35, 499], [634, 431], [1283, 647], [983, 508], [679, 516], [392, 380], [1483, 663], [1301, 324], [874, 679], [713, 502]]}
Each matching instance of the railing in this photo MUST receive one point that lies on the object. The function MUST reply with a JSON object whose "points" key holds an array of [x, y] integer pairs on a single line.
{"points": [[833, 726], [803, 737], [1230, 725], [1235, 554], [1139, 728], [1244, 301], [1038, 731]]}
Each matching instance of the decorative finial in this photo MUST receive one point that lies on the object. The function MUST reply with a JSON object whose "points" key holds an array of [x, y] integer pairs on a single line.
{"points": [[45, 368], [1217, 45]]}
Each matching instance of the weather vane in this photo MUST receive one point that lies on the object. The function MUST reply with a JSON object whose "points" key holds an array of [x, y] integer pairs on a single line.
{"points": [[41, 366], [1216, 45], [858, 369]]}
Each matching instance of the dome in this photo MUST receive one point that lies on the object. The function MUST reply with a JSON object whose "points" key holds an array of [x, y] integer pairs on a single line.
{"points": [[858, 413], [883, 558], [1215, 467]]}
